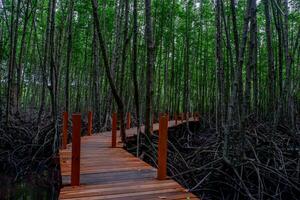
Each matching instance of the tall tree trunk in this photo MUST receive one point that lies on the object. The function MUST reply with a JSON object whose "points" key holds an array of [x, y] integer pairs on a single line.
{"points": [[53, 77], [22, 49], [134, 71], [107, 69], [96, 81], [69, 54], [288, 63], [45, 64], [220, 103], [12, 56], [278, 24], [252, 59], [150, 66], [186, 102], [234, 138], [229, 50], [235, 30], [135, 63], [126, 41], [271, 89]]}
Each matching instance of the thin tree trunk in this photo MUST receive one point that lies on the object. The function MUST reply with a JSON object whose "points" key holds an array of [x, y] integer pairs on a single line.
{"points": [[220, 111], [126, 41], [252, 58], [186, 101], [45, 64], [278, 24], [235, 30], [69, 54], [134, 70], [22, 49], [150, 66], [96, 81], [12, 57], [135, 63], [271, 89]]}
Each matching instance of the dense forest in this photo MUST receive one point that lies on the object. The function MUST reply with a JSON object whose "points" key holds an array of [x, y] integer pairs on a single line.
{"points": [[235, 62]]}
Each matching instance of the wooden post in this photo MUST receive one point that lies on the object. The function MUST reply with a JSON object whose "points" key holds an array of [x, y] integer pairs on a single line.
{"points": [[65, 130], [162, 148], [90, 123], [114, 130], [175, 118], [75, 170], [128, 124]]}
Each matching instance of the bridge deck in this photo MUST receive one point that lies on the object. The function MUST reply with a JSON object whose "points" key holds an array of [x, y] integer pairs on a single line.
{"points": [[113, 173]]}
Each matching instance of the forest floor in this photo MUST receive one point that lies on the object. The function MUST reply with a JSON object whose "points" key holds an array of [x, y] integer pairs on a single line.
{"points": [[28, 167], [270, 168]]}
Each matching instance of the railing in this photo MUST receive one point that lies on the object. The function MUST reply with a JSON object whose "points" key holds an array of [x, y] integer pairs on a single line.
{"points": [[76, 133]]}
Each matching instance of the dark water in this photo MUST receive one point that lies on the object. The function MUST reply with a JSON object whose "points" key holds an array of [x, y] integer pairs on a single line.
{"points": [[27, 191]]}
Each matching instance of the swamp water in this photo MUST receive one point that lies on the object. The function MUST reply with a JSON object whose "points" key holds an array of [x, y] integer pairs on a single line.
{"points": [[27, 190]]}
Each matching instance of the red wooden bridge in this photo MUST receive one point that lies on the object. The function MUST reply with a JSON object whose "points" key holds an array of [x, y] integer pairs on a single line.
{"points": [[95, 170]]}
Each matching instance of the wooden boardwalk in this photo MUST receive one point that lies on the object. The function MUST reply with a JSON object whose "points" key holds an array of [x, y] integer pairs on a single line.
{"points": [[113, 173]]}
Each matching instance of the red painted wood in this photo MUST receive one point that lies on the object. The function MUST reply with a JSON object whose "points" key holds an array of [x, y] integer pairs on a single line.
{"points": [[162, 148], [128, 124], [90, 123], [75, 170], [176, 118], [65, 130], [114, 130]]}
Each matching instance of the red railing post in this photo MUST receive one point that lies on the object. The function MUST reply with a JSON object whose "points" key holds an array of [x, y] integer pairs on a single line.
{"points": [[65, 130], [90, 123], [114, 130], [75, 170], [128, 124], [162, 148], [175, 118]]}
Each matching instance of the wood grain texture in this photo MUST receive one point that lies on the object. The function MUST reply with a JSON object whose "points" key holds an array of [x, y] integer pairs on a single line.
{"points": [[113, 173]]}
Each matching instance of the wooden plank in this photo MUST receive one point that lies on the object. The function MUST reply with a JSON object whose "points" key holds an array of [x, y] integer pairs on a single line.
{"points": [[124, 190]]}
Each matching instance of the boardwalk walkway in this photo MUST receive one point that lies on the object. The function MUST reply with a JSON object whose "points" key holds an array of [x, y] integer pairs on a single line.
{"points": [[113, 173]]}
